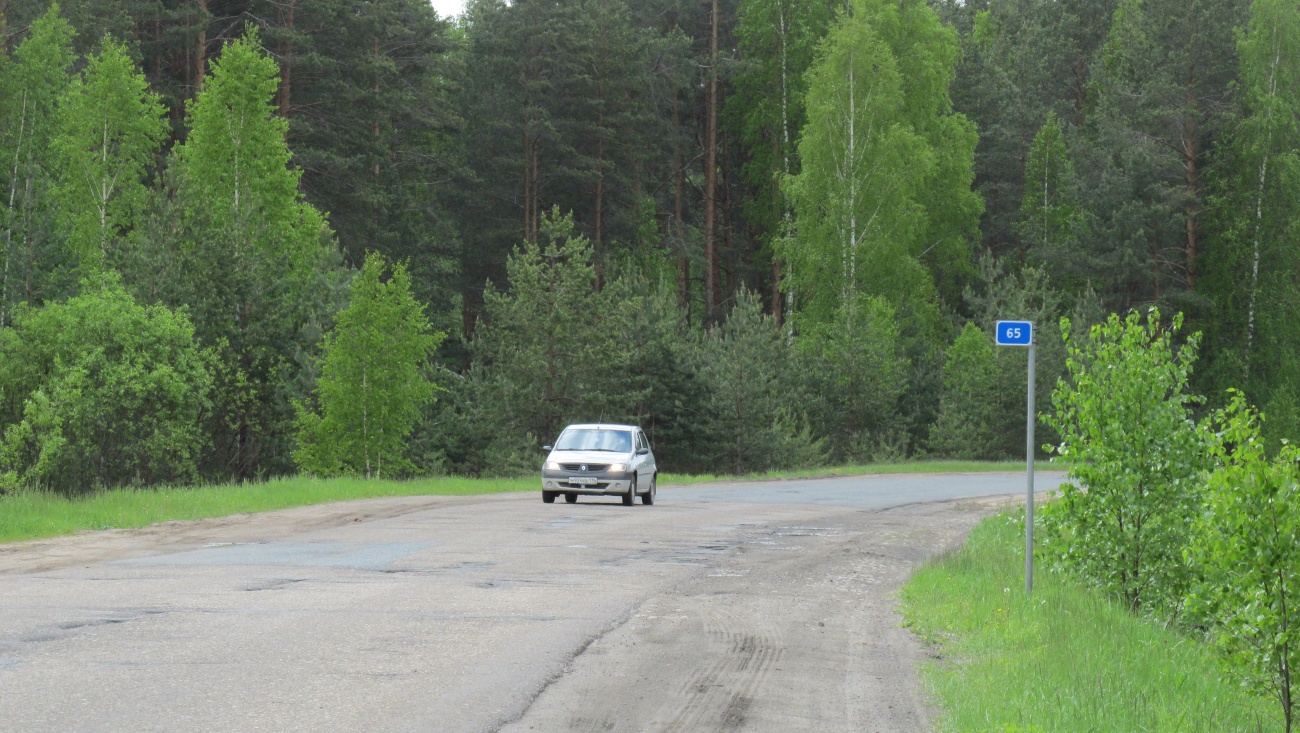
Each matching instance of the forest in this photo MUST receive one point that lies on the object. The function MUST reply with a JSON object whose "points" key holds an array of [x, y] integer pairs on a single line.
{"points": [[247, 238]]}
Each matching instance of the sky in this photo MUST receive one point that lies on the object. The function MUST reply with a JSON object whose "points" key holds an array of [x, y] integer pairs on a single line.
{"points": [[448, 7]]}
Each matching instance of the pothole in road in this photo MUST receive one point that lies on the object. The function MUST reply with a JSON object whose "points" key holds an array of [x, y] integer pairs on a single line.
{"points": [[272, 584]]}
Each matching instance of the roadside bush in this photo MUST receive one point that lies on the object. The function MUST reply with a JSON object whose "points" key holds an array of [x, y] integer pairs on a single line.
{"points": [[101, 391], [1134, 457], [1246, 551]]}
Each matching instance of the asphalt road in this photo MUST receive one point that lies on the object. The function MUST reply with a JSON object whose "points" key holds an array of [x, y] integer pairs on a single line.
{"points": [[764, 606]]}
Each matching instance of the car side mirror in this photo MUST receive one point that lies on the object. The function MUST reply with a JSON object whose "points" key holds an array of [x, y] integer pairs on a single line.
{"points": [[546, 448], [642, 451]]}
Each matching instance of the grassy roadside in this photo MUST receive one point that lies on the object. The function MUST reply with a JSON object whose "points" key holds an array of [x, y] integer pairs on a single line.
{"points": [[1065, 659], [873, 468], [35, 515]]}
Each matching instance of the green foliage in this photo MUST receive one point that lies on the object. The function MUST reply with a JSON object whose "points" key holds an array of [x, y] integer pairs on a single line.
{"points": [[863, 168], [971, 413], [236, 166], [1251, 278], [548, 346], [372, 386], [101, 392], [855, 373], [1134, 456], [1246, 551], [31, 83], [254, 262], [1049, 213], [110, 127], [745, 364]]}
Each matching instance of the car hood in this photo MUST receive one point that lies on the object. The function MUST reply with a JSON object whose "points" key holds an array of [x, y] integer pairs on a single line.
{"points": [[588, 456]]}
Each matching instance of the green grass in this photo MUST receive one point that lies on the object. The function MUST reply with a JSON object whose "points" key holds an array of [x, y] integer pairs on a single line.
{"points": [[861, 470], [35, 515], [1062, 660]]}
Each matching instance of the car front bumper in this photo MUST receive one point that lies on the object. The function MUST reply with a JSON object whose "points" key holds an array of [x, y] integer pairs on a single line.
{"points": [[605, 482]]}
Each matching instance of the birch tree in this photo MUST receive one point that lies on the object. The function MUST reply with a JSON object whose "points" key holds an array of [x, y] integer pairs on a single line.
{"points": [[879, 142], [778, 42], [1049, 212], [1270, 138], [109, 129], [372, 386], [30, 86]]}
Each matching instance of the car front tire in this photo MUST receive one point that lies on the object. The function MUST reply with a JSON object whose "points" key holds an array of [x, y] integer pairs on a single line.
{"points": [[571, 497], [548, 497], [631, 493], [648, 497]]}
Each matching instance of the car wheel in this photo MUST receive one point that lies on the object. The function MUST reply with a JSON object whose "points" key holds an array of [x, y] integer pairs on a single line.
{"points": [[548, 497], [571, 497], [631, 493], [648, 497]]}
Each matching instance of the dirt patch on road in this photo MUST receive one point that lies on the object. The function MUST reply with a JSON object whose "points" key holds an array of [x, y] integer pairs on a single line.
{"points": [[797, 631]]}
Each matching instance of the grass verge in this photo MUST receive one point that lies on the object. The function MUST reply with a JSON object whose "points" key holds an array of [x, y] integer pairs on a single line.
{"points": [[1064, 659], [35, 515], [872, 468]]}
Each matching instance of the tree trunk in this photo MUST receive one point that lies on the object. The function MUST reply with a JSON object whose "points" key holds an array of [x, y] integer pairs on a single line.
{"points": [[528, 181], [470, 299], [728, 247], [1192, 209], [679, 225], [1259, 217], [374, 124], [597, 252], [777, 310], [286, 56], [201, 47], [711, 177]]}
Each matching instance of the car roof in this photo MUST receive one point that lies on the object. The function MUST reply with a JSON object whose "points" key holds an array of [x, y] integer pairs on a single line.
{"points": [[600, 426]]}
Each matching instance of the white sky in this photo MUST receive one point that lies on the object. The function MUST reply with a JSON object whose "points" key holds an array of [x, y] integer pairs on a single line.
{"points": [[448, 7]]}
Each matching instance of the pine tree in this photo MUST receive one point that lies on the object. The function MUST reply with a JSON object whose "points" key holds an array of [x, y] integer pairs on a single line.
{"points": [[372, 386]]}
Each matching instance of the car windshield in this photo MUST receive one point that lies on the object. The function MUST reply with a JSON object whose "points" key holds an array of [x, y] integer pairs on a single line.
{"points": [[616, 441]]}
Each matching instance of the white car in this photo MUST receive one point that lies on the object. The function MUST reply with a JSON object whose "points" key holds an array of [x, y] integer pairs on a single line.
{"points": [[600, 460]]}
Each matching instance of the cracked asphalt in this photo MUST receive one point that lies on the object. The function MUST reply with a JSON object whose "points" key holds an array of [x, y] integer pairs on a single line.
{"points": [[756, 606]]}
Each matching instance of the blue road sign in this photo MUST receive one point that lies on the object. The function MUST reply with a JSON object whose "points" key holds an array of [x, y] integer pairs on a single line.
{"points": [[1015, 333]]}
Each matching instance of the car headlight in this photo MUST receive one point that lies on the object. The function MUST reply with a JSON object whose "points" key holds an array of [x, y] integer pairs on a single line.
{"points": [[552, 466], [618, 468]]}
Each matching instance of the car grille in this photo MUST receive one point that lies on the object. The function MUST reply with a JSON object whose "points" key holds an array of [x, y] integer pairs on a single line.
{"points": [[591, 467]]}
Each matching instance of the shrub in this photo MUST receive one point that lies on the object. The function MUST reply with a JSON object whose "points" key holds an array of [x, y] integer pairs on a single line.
{"points": [[101, 391], [1134, 457], [1246, 551]]}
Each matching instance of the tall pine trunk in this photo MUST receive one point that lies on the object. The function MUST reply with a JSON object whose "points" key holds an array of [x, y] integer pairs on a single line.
{"points": [[1191, 154], [778, 311], [711, 178], [286, 11], [679, 224], [201, 47]]}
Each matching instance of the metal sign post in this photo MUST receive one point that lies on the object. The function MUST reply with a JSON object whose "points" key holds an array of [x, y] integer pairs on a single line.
{"points": [[1021, 333]]}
